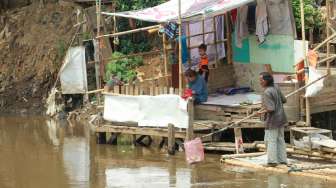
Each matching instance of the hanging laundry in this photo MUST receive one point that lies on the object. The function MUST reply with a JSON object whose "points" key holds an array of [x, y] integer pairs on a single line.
{"points": [[171, 30], [185, 53], [234, 13], [195, 28], [241, 25], [251, 18], [261, 21]]}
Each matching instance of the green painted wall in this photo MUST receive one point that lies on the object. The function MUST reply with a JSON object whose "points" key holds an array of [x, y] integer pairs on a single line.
{"points": [[241, 55], [277, 50]]}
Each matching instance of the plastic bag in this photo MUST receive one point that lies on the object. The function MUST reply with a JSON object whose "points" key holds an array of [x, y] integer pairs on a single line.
{"points": [[194, 151], [316, 87]]}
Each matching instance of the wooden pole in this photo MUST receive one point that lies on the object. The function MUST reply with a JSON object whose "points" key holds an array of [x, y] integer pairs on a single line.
{"points": [[180, 47], [229, 39], [308, 115], [165, 58], [190, 129], [171, 139], [129, 31], [242, 155], [215, 37], [97, 61], [330, 13], [203, 30], [324, 42], [189, 43]]}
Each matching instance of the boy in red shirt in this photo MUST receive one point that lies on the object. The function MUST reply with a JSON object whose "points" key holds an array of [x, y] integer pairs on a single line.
{"points": [[204, 62]]}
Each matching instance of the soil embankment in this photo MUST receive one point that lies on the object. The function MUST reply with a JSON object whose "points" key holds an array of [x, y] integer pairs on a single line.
{"points": [[33, 42]]}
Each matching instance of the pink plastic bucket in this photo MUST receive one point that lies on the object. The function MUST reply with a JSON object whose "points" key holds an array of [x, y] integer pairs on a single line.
{"points": [[194, 151]]}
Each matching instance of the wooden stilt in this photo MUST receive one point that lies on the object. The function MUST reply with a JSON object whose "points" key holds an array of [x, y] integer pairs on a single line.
{"points": [[238, 140], [171, 139], [328, 33], [113, 139], [190, 130], [97, 61], [165, 58], [101, 138], [308, 115]]}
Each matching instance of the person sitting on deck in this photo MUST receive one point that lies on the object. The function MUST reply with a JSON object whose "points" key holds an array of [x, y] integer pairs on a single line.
{"points": [[198, 86], [275, 120], [204, 62]]}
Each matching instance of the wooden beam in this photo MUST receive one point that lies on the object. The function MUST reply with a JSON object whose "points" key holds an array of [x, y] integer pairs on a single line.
{"points": [[242, 155], [130, 31], [160, 132], [308, 115]]}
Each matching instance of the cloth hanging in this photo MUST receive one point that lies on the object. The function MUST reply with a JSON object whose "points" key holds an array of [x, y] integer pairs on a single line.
{"points": [[261, 21], [195, 28], [171, 30], [241, 25], [185, 53]]}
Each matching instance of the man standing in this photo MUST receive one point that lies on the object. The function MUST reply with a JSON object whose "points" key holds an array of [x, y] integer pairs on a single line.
{"points": [[275, 120]]}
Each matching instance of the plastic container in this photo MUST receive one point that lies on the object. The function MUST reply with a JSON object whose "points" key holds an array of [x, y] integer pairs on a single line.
{"points": [[194, 151]]}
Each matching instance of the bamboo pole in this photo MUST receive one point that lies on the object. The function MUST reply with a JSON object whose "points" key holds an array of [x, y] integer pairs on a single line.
{"points": [[242, 155], [308, 115], [327, 59], [129, 31], [165, 58], [180, 47], [324, 42], [97, 63], [328, 34]]}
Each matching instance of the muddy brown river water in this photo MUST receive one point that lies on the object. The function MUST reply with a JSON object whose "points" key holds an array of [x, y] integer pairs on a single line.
{"points": [[36, 152]]}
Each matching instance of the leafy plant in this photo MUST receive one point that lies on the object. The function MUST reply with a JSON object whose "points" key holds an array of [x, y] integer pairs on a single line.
{"points": [[122, 67], [312, 14], [138, 42]]}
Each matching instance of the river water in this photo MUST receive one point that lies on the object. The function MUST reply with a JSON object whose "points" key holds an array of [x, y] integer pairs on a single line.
{"points": [[36, 152]]}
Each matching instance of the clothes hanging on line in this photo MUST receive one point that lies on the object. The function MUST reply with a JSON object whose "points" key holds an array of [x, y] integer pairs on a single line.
{"points": [[261, 21]]}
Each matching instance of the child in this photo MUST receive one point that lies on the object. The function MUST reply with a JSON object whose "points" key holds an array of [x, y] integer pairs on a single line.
{"points": [[203, 64]]}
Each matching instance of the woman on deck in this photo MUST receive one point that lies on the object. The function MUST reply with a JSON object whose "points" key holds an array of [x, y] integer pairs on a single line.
{"points": [[275, 120], [198, 86]]}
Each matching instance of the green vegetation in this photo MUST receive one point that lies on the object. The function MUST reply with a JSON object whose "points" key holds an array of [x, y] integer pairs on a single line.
{"points": [[122, 67], [313, 15]]}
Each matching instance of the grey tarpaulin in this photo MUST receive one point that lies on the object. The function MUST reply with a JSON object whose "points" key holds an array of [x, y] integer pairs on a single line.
{"points": [[73, 72]]}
